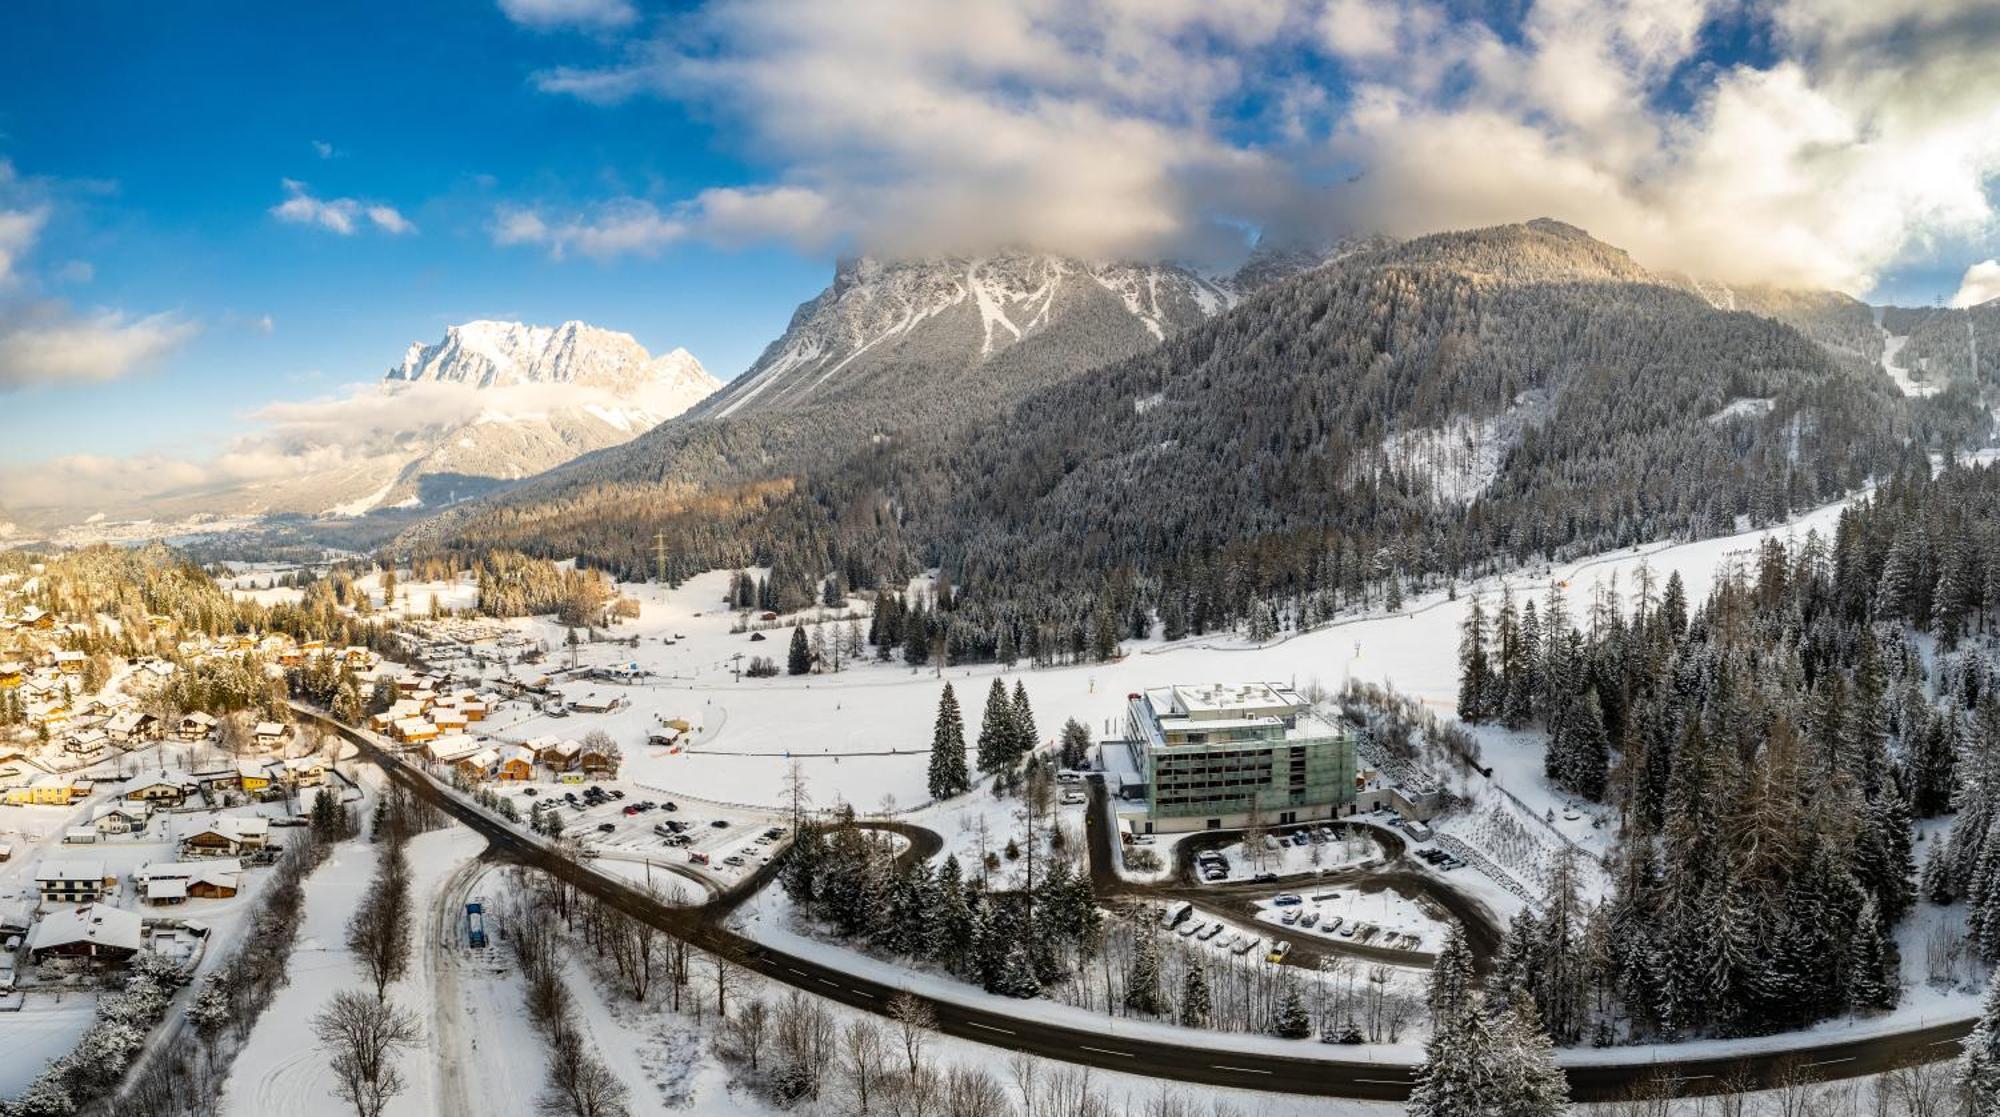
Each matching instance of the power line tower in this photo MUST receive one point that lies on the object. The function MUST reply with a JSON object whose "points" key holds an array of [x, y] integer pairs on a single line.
{"points": [[660, 557]]}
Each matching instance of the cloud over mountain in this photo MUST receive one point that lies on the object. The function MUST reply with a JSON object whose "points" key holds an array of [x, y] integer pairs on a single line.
{"points": [[1799, 141]]}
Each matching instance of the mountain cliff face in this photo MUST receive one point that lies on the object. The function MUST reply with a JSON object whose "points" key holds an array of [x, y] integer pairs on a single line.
{"points": [[1516, 391], [882, 326]]}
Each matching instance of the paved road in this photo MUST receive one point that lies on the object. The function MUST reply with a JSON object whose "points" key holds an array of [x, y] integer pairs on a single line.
{"points": [[1121, 1046]]}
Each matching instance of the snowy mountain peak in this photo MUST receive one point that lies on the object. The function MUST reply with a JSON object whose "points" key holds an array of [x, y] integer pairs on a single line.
{"points": [[948, 314], [489, 354]]}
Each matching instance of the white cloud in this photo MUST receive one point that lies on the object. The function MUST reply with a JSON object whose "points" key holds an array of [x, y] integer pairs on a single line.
{"points": [[337, 215], [544, 15], [76, 271], [45, 343], [18, 230], [636, 226], [323, 149], [1981, 284], [1118, 127]]}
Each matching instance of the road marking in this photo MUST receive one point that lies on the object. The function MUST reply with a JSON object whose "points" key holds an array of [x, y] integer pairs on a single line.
{"points": [[1942, 1042], [864, 993], [1245, 1070], [989, 1027], [829, 981], [800, 972], [1385, 1081], [1102, 1051], [1830, 1062]]}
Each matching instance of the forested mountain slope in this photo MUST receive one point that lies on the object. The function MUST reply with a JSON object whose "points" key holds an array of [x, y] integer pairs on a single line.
{"points": [[1408, 411]]}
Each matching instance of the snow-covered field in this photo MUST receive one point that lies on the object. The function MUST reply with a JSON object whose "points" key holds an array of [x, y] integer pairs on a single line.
{"points": [[861, 736]]}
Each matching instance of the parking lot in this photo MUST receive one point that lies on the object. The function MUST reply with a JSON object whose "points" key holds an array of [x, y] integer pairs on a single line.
{"points": [[1313, 849], [630, 823]]}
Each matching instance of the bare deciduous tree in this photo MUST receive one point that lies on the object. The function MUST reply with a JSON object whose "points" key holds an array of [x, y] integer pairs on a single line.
{"points": [[914, 1023], [362, 1038]]}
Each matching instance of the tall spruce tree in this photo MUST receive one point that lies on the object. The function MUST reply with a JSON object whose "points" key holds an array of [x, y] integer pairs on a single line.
{"points": [[800, 660], [948, 775], [1475, 672], [997, 729]]}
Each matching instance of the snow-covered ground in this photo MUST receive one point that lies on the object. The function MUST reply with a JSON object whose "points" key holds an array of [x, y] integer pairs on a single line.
{"points": [[45, 1027], [862, 736], [281, 1069]]}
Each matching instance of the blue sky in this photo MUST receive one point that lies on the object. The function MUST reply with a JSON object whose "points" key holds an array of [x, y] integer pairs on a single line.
{"points": [[167, 131], [207, 208]]}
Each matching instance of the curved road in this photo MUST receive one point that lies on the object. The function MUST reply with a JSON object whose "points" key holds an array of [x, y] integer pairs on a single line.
{"points": [[1139, 1054]]}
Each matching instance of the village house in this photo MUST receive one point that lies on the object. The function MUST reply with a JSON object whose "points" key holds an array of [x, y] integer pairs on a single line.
{"points": [[34, 617], [559, 756], [415, 731], [72, 882], [597, 763], [451, 749], [228, 836], [196, 726], [87, 742], [119, 818], [479, 764], [252, 777], [45, 791], [271, 734], [160, 792], [133, 727], [174, 881], [11, 674], [71, 662], [516, 763], [98, 932], [448, 721], [301, 771]]}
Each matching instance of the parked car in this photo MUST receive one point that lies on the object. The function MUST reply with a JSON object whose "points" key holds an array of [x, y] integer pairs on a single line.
{"points": [[1072, 798], [671, 805], [1289, 899], [1209, 932], [529, 792], [1290, 917], [617, 793], [1188, 929], [1311, 918], [606, 828], [1279, 949], [697, 857], [720, 824], [1266, 878], [733, 859]]}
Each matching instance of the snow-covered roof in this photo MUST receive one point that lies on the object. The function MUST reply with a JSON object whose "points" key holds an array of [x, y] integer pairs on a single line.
{"points": [[97, 924], [58, 871], [190, 870], [269, 729]]}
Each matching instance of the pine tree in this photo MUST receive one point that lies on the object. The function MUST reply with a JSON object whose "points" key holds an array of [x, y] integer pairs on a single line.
{"points": [[1978, 1075], [996, 729], [1075, 745], [1292, 1020], [1519, 704], [1194, 1006], [800, 661], [1475, 674], [1142, 981], [948, 776], [1528, 1083], [1025, 736], [1873, 965]]}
